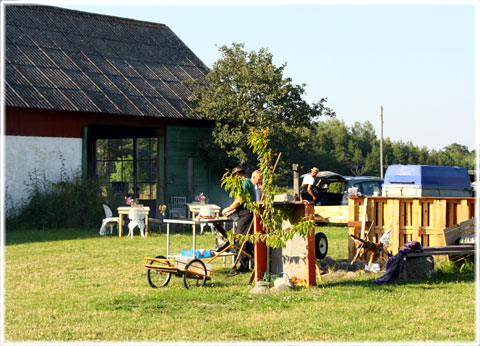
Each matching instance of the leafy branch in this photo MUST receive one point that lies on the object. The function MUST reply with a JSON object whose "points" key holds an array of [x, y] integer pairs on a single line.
{"points": [[272, 218]]}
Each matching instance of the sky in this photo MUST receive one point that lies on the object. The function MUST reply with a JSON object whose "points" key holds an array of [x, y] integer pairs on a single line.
{"points": [[416, 60]]}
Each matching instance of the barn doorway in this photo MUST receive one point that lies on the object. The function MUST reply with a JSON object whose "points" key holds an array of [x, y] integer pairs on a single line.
{"points": [[130, 163]]}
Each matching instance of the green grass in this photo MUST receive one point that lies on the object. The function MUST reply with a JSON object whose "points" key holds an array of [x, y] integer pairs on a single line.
{"points": [[72, 285]]}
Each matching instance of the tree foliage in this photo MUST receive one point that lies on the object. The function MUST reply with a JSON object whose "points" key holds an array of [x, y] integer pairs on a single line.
{"points": [[244, 90], [355, 150]]}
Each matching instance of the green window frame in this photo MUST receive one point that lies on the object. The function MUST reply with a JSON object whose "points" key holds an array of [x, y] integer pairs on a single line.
{"points": [[129, 162]]}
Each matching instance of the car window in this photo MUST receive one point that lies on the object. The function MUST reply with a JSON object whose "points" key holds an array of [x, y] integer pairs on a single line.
{"points": [[369, 188], [359, 187], [336, 187]]}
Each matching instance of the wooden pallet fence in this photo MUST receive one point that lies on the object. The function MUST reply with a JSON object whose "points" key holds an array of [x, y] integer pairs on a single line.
{"points": [[331, 213], [411, 218]]}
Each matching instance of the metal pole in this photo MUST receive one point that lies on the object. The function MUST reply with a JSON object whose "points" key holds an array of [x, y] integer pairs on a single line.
{"points": [[381, 142]]}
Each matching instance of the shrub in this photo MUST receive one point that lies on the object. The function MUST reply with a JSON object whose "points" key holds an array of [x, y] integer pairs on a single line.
{"points": [[71, 203], [456, 266]]}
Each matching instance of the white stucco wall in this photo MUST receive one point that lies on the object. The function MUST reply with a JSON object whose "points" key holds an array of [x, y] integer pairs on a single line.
{"points": [[45, 154]]}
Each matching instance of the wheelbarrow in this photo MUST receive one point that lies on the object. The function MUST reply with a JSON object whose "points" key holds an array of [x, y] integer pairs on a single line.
{"points": [[194, 272]]}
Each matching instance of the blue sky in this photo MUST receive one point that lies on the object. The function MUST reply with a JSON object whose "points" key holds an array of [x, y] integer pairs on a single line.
{"points": [[418, 61]]}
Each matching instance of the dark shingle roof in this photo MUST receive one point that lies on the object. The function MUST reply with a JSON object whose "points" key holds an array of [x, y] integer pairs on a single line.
{"points": [[69, 60]]}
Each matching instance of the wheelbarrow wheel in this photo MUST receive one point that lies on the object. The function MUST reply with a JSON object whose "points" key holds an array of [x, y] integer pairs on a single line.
{"points": [[195, 274], [321, 245], [157, 278]]}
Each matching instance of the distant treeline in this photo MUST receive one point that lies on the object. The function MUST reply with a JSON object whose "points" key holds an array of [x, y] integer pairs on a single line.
{"points": [[355, 150]]}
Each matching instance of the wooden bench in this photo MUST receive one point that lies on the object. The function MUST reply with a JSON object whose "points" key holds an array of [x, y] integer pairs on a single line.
{"points": [[458, 250]]}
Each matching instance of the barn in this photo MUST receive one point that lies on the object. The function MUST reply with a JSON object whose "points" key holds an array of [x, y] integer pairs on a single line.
{"points": [[104, 96]]}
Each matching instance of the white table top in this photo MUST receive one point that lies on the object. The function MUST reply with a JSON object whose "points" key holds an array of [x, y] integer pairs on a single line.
{"points": [[196, 221], [127, 208], [198, 206]]}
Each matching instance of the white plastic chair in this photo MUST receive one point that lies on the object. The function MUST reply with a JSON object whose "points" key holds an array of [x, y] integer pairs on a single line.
{"points": [[212, 227], [137, 219], [109, 219], [177, 208]]}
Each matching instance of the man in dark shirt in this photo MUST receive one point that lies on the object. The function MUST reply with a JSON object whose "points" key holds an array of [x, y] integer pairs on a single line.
{"points": [[245, 218]]}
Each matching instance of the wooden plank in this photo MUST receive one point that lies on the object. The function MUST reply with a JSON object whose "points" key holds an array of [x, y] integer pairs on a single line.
{"points": [[451, 213], [425, 217], [431, 213], [364, 218], [380, 214], [408, 213], [351, 209], [394, 212], [401, 210], [331, 213], [461, 225], [440, 222], [402, 225], [358, 223], [352, 217], [416, 215], [464, 212], [371, 216]]}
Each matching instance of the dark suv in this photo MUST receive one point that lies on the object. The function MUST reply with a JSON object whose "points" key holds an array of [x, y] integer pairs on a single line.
{"points": [[334, 188]]}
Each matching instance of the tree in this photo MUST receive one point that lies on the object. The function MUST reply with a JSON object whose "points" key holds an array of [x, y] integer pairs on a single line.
{"points": [[244, 90], [458, 154], [356, 150], [123, 169], [274, 233], [349, 150]]}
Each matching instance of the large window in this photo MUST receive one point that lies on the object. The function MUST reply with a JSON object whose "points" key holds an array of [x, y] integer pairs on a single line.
{"points": [[130, 163]]}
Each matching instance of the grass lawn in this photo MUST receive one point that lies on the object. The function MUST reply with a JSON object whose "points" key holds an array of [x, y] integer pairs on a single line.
{"points": [[72, 285]]}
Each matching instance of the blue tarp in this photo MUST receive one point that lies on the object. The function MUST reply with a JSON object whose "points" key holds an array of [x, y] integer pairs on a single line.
{"points": [[198, 253]]}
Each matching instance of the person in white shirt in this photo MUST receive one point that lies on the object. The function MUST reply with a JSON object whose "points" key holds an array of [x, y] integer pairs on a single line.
{"points": [[257, 182], [308, 190]]}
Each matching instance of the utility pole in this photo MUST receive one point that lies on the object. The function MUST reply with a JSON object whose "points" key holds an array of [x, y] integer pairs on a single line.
{"points": [[381, 142]]}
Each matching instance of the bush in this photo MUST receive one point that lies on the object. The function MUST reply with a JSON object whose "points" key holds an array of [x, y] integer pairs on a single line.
{"points": [[456, 266], [71, 203]]}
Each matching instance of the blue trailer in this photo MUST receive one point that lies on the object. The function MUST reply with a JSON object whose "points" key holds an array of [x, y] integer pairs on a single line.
{"points": [[426, 181]]}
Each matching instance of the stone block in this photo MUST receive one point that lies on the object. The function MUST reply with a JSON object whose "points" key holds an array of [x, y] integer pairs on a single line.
{"points": [[416, 268]]}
